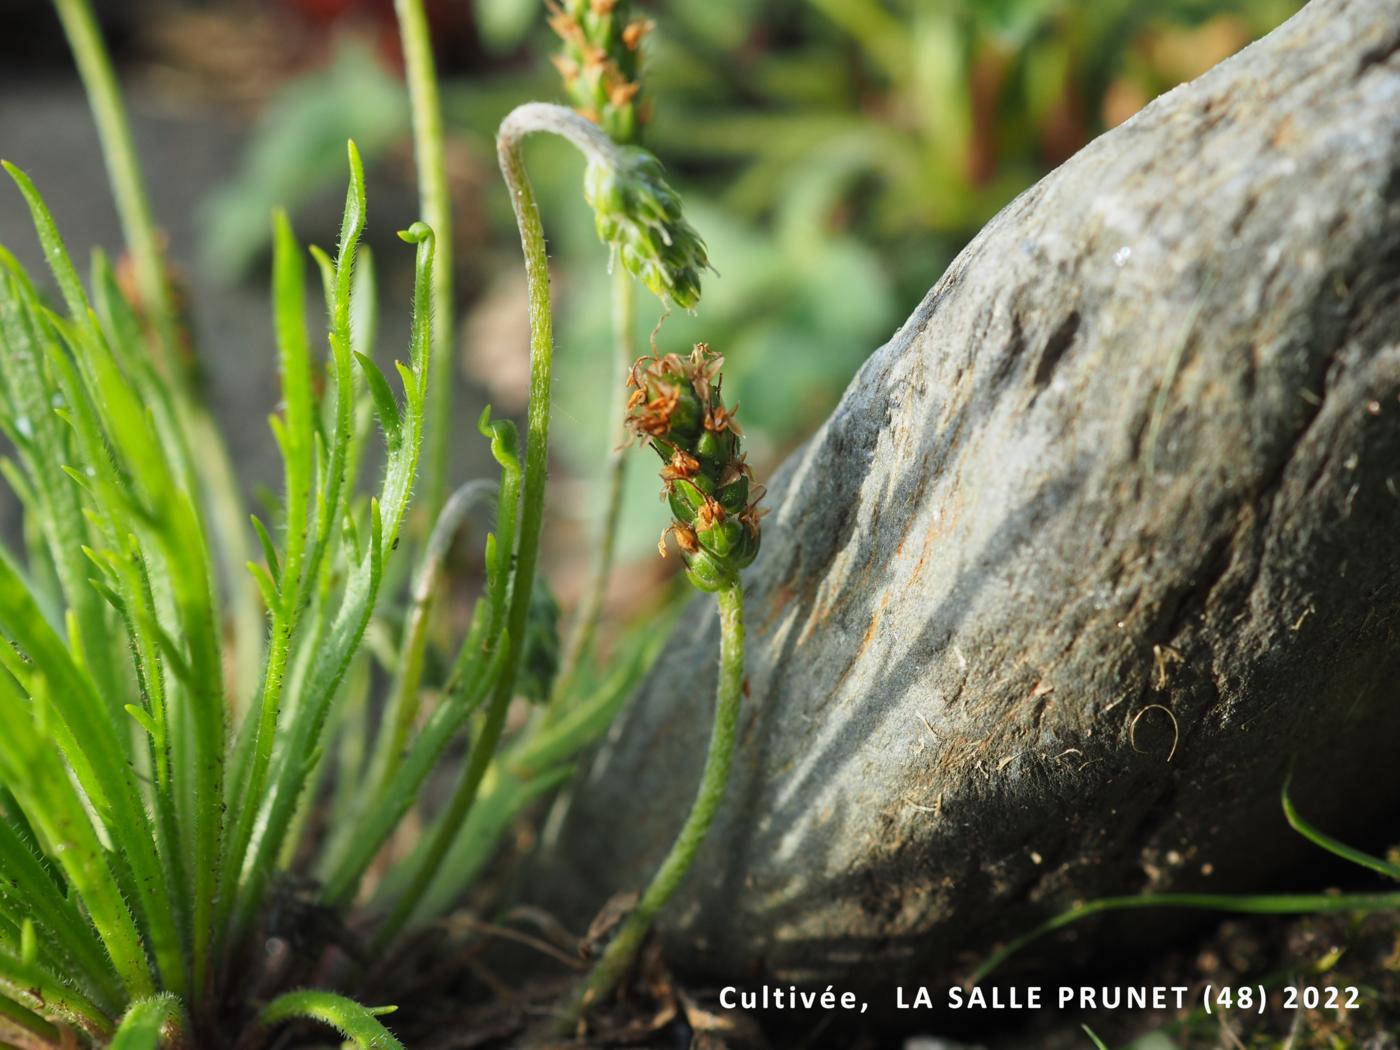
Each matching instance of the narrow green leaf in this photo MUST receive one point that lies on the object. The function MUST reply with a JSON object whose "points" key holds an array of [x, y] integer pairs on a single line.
{"points": [[31, 884], [175, 657], [26, 342], [112, 597], [297, 438], [364, 304], [41, 991], [1331, 845], [385, 407], [119, 320], [147, 1022], [267, 586], [412, 394], [15, 478], [269, 551], [355, 1022], [39, 780], [28, 1020], [77, 476], [55, 253], [144, 720], [326, 267], [28, 943], [352, 225]]}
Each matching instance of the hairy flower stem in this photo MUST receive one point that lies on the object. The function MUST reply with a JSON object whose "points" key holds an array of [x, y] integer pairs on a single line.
{"points": [[401, 711], [436, 205], [620, 952], [590, 607], [123, 168], [524, 121], [215, 475]]}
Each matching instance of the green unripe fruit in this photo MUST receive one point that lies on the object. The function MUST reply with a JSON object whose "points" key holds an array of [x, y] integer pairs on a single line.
{"points": [[747, 549], [710, 448], [707, 573], [734, 497], [722, 538], [686, 499], [677, 407]]}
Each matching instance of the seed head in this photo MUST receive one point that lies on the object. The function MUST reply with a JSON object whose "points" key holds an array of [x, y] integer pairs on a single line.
{"points": [[676, 406]]}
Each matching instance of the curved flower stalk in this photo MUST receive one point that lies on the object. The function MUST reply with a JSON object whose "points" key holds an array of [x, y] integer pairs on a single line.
{"points": [[600, 64], [633, 204], [677, 408], [635, 210]]}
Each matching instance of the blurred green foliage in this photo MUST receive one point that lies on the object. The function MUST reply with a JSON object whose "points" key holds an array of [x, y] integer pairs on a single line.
{"points": [[835, 154], [299, 149]]}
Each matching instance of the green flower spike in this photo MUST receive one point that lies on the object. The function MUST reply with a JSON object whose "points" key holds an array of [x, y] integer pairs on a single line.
{"points": [[636, 212], [600, 62], [677, 408]]}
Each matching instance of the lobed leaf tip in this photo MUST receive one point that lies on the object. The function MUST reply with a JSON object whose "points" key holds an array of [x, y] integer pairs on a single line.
{"points": [[419, 232]]}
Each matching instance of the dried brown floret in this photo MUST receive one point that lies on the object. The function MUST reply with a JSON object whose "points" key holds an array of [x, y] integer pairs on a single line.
{"points": [[676, 407], [636, 31], [685, 538]]}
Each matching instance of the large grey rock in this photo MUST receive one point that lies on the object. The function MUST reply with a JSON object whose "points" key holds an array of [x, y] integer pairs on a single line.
{"points": [[1106, 534]]}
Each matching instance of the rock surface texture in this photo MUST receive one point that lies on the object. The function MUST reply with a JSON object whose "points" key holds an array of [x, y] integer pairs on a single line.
{"points": [[1105, 536]]}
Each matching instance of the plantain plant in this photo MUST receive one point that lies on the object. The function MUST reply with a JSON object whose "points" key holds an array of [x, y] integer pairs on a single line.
{"points": [[676, 406], [159, 768]]}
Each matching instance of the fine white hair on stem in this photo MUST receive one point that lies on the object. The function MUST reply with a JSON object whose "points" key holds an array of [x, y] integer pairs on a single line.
{"points": [[551, 119]]}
